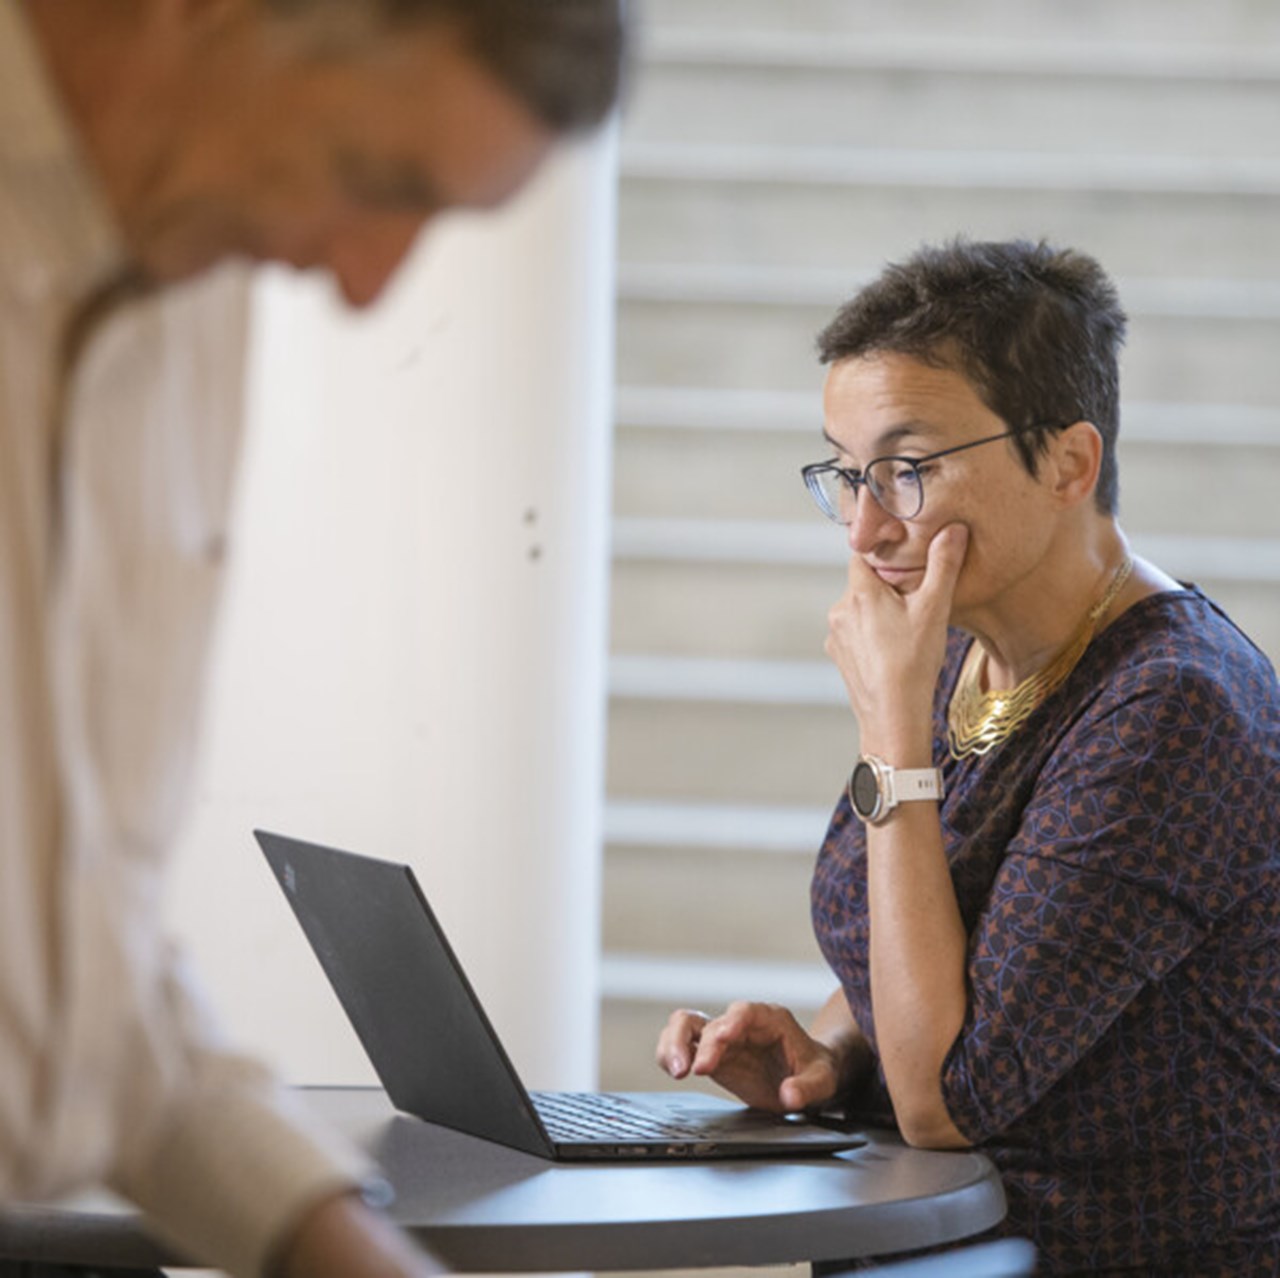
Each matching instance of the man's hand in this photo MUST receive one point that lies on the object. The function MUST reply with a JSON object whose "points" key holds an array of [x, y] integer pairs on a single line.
{"points": [[757, 1051], [342, 1238]]}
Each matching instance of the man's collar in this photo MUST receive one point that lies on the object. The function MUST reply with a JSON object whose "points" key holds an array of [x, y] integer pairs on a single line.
{"points": [[63, 224]]}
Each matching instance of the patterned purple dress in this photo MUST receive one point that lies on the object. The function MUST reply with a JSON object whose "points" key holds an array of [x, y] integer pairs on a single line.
{"points": [[1117, 865]]}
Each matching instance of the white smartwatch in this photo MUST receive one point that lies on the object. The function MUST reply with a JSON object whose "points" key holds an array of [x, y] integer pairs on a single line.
{"points": [[875, 788]]}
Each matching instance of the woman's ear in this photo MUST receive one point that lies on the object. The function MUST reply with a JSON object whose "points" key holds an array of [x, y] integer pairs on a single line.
{"points": [[1076, 460]]}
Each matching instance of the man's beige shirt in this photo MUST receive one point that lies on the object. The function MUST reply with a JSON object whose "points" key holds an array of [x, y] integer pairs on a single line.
{"points": [[114, 487]]}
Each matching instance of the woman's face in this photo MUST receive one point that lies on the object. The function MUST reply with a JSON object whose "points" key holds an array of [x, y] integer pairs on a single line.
{"points": [[893, 405]]}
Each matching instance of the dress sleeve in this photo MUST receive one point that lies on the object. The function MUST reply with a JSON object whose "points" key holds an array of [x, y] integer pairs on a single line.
{"points": [[200, 1137], [222, 1158], [1137, 841]]}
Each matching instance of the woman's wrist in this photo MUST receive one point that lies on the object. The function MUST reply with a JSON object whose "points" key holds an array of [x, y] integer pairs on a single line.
{"points": [[852, 1061], [900, 745]]}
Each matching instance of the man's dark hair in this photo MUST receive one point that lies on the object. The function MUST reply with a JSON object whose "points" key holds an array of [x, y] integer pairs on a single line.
{"points": [[564, 59], [1036, 330]]}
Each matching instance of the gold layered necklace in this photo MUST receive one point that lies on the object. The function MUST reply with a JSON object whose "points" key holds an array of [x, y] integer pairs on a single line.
{"points": [[977, 721]]}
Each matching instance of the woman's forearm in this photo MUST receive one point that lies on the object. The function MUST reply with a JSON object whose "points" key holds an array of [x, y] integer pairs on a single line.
{"points": [[918, 950], [889, 645]]}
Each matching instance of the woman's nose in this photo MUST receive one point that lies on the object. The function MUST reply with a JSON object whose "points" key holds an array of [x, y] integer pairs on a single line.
{"points": [[871, 524]]}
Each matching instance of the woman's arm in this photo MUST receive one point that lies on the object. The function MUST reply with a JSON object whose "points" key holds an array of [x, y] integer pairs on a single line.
{"points": [[889, 649], [918, 949]]}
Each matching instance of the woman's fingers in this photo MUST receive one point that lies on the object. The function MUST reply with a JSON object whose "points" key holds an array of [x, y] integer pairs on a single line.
{"points": [[756, 1025], [679, 1041], [942, 569], [757, 1051], [811, 1085]]}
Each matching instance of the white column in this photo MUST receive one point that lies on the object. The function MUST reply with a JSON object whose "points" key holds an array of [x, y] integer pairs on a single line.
{"points": [[413, 656]]}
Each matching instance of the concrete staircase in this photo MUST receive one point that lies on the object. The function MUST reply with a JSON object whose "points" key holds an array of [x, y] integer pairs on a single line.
{"points": [[775, 154]]}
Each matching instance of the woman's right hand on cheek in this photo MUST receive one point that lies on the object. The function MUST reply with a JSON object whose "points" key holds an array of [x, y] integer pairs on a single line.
{"points": [[756, 1051], [888, 644]]}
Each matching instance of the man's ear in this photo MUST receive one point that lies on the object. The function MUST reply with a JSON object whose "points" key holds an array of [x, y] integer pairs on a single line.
{"points": [[1076, 459]]}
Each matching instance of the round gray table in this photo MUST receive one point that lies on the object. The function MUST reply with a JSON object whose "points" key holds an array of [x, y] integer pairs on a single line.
{"points": [[484, 1208]]}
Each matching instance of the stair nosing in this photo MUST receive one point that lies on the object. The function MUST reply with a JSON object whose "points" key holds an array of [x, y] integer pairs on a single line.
{"points": [[1210, 557], [643, 977], [757, 681], [694, 408], [1237, 177], [1112, 60], [764, 286], [781, 829]]}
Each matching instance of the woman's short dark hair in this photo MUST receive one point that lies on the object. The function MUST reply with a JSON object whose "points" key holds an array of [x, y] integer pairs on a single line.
{"points": [[1036, 330], [564, 59]]}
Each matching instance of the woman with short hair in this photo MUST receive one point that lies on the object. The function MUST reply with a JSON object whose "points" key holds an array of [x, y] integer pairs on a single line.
{"points": [[1051, 889]]}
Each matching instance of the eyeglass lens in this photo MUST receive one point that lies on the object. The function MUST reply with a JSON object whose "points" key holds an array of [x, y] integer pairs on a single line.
{"points": [[894, 483]]}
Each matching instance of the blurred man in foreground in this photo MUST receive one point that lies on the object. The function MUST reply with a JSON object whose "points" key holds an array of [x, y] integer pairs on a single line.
{"points": [[141, 143]]}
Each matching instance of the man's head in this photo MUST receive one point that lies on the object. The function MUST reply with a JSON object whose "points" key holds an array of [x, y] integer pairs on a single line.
{"points": [[1035, 330], [320, 133], [562, 58]]}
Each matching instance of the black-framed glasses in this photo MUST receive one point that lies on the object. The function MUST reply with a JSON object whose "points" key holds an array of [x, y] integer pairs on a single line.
{"points": [[897, 483]]}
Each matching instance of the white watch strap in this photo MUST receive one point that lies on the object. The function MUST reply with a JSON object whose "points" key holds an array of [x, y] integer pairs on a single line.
{"points": [[915, 783]]}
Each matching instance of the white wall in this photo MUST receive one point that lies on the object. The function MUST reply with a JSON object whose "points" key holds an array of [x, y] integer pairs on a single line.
{"points": [[413, 654]]}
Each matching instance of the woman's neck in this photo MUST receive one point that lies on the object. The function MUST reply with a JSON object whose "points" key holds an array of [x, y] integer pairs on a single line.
{"points": [[1035, 619]]}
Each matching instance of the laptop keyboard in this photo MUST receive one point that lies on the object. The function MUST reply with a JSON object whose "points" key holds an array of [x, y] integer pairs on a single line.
{"points": [[572, 1116]]}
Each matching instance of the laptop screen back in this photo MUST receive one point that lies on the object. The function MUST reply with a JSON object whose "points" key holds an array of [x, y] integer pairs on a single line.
{"points": [[404, 992]]}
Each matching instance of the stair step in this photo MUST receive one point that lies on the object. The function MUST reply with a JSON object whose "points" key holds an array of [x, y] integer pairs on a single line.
{"points": [[666, 339], [755, 474], [751, 285], [787, 829], [1244, 23], [820, 217], [732, 541], [710, 902], [710, 408], [699, 408], [1246, 559], [724, 752], [923, 96], [695, 980], [679, 607], [988, 54], [760, 682], [955, 169]]}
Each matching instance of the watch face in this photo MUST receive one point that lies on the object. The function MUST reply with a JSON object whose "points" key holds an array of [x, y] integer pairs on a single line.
{"points": [[864, 790]]}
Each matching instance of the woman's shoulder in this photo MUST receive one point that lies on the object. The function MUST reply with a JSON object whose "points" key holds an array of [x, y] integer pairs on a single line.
{"points": [[1184, 628], [1181, 642]]}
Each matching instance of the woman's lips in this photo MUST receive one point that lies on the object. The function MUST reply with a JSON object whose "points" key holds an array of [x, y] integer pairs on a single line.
{"points": [[899, 578]]}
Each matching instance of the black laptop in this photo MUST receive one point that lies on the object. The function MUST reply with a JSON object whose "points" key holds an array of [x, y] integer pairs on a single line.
{"points": [[438, 1056]]}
